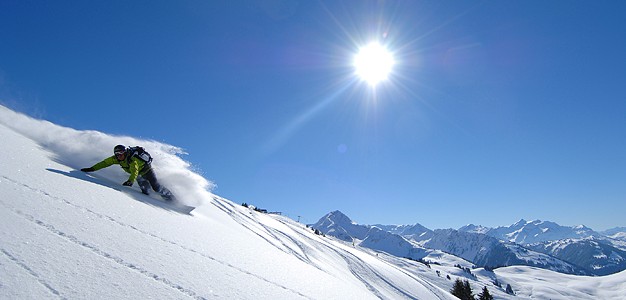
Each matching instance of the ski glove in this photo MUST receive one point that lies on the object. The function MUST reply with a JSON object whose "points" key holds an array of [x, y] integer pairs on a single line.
{"points": [[127, 183], [87, 169]]}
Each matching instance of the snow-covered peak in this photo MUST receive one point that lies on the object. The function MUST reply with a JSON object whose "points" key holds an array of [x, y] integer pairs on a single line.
{"points": [[339, 217], [405, 230], [334, 218], [475, 228], [519, 223], [525, 232], [341, 226]]}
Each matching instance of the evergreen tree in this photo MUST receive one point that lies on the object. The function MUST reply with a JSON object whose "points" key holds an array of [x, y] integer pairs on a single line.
{"points": [[462, 290], [467, 291], [485, 295], [457, 288]]}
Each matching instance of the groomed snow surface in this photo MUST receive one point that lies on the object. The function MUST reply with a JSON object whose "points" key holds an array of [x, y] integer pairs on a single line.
{"points": [[66, 234]]}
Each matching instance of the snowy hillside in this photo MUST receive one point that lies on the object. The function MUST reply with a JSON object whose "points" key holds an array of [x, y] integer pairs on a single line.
{"points": [[596, 256], [66, 234], [541, 284]]}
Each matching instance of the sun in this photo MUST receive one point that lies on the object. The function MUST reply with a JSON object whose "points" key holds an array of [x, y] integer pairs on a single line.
{"points": [[373, 63]]}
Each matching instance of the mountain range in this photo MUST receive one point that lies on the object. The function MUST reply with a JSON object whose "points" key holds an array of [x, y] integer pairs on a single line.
{"points": [[573, 250]]}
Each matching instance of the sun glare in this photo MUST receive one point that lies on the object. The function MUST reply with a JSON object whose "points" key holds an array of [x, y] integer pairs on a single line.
{"points": [[373, 63]]}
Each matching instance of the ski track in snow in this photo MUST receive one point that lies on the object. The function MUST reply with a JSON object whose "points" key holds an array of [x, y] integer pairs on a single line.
{"points": [[361, 270], [31, 273], [119, 260], [365, 274], [104, 254], [430, 286], [358, 267], [244, 220]]}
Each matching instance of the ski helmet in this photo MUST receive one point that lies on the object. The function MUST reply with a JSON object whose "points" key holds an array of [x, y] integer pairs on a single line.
{"points": [[119, 148]]}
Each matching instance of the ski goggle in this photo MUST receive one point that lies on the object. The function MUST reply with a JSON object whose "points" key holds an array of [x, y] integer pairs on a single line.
{"points": [[118, 153]]}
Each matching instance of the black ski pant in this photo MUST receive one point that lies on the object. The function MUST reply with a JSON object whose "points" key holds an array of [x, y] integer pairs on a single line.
{"points": [[148, 180]]}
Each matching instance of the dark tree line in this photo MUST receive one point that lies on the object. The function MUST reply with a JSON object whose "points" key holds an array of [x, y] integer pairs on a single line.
{"points": [[463, 291]]}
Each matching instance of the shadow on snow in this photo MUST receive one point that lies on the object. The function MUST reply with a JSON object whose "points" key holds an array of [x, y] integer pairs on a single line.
{"points": [[135, 194]]}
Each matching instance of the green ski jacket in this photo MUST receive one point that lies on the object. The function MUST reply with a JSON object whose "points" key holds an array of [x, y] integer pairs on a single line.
{"points": [[133, 165]]}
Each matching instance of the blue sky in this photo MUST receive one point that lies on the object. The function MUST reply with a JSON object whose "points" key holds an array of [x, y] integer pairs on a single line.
{"points": [[494, 111]]}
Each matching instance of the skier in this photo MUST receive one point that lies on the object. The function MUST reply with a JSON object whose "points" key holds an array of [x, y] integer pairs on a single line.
{"points": [[136, 162]]}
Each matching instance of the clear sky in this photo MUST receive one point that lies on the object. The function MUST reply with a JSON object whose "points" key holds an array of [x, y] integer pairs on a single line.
{"points": [[494, 110]]}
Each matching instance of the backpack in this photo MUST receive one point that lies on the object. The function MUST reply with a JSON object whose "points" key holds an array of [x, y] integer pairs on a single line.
{"points": [[140, 153]]}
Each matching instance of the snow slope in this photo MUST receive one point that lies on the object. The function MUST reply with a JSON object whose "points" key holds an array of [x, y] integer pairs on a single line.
{"points": [[65, 234], [536, 283], [68, 235]]}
